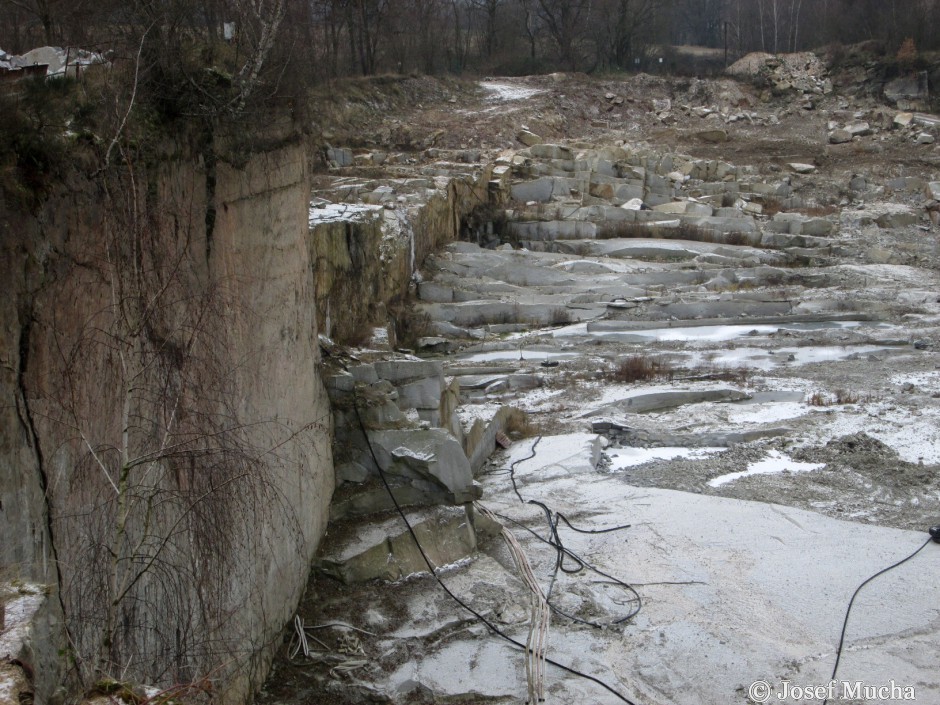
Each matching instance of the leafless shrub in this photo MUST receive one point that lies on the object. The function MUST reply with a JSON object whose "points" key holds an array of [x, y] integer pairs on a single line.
{"points": [[410, 323], [520, 425], [819, 399], [560, 317], [641, 368], [846, 397], [840, 397]]}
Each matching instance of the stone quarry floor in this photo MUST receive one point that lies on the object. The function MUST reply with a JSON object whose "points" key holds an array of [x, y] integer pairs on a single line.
{"points": [[764, 430]]}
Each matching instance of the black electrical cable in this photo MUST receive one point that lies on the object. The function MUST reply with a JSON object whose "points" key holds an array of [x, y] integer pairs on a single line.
{"points": [[562, 552], [512, 467], [616, 581], [492, 627], [848, 610]]}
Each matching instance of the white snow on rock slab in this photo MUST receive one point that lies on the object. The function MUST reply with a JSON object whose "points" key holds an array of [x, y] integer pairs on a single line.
{"points": [[711, 334], [775, 462], [768, 413], [734, 591], [761, 359], [478, 668], [556, 456], [515, 354], [334, 212], [623, 458]]}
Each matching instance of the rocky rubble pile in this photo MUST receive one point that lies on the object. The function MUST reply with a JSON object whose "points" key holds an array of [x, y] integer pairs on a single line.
{"points": [[784, 73]]}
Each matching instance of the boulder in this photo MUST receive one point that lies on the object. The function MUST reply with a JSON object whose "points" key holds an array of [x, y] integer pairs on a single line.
{"points": [[800, 168], [712, 136], [840, 136], [858, 129], [903, 119], [897, 218], [529, 139]]}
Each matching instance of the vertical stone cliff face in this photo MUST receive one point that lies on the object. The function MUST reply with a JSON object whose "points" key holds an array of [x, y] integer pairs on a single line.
{"points": [[165, 459], [368, 260]]}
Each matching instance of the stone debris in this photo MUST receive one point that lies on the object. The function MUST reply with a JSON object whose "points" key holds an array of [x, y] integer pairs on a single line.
{"points": [[784, 73]]}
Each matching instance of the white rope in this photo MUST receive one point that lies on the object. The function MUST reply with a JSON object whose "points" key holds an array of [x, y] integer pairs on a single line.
{"points": [[539, 615], [299, 642]]}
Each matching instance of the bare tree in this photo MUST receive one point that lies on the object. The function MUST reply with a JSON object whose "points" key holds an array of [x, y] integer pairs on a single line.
{"points": [[565, 21], [490, 11], [621, 23]]}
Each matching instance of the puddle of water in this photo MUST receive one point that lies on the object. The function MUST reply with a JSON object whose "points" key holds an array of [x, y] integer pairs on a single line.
{"points": [[623, 458], [775, 462]]}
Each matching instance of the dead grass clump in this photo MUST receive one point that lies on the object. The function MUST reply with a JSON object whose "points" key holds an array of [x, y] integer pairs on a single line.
{"points": [[846, 397], [641, 368], [819, 399], [623, 230], [410, 323], [719, 373], [819, 211], [772, 205], [519, 425], [560, 317], [840, 397]]}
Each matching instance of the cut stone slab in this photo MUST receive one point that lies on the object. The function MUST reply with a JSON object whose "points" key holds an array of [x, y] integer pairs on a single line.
{"points": [[341, 156], [858, 129], [574, 454], [419, 383], [643, 402], [528, 138], [619, 430], [430, 455], [479, 440], [551, 151], [386, 550]]}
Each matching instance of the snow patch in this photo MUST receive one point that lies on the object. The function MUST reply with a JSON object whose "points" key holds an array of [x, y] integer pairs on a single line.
{"points": [[334, 212], [623, 458], [775, 462], [503, 92]]}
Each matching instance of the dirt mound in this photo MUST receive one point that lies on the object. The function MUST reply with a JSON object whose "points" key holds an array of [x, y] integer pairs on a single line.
{"points": [[859, 443]]}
